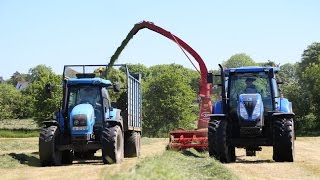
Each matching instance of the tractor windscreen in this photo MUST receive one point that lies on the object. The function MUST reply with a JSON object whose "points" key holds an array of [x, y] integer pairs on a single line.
{"points": [[86, 95], [249, 83]]}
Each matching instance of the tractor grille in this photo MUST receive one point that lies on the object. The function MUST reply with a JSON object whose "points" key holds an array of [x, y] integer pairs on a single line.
{"points": [[249, 105]]}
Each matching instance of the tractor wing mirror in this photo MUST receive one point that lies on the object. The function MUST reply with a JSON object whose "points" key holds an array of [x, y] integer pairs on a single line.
{"points": [[116, 87]]}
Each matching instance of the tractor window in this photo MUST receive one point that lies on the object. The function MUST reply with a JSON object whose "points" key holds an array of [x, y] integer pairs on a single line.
{"points": [[248, 83], [83, 95]]}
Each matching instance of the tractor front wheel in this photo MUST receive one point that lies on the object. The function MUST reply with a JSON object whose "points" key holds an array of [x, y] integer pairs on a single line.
{"points": [[212, 138], [283, 140], [225, 150], [48, 152], [112, 144]]}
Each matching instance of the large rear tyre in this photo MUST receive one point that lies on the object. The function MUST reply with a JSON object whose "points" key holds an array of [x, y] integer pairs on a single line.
{"points": [[225, 150], [212, 138], [112, 145], [283, 140], [48, 152], [132, 144]]}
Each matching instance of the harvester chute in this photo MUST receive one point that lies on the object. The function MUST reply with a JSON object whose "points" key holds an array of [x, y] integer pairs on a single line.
{"points": [[181, 139]]}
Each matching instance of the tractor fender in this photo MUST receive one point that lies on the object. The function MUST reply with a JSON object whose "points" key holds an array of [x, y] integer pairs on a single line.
{"points": [[285, 115], [114, 117], [285, 105], [51, 123]]}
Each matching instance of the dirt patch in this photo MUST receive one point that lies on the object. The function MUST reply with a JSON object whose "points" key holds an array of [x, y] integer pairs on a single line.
{"points": [[89, 169], [306, 165]]}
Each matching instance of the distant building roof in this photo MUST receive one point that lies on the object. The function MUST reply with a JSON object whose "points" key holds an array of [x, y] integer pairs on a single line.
{"points": [[21, 85], [1, 79]]}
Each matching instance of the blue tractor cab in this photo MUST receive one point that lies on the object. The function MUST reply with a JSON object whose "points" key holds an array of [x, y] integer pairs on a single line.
{"points": [[251, 113]]}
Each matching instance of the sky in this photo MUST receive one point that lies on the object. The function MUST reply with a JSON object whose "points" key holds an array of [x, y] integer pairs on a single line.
{"points": [[58, 33]]}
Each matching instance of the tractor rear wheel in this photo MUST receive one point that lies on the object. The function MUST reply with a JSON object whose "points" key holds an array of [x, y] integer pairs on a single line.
{"points": [[212, 138], [283, 140], [112, 144], [132, 144], [225, 150], [48, 152]]}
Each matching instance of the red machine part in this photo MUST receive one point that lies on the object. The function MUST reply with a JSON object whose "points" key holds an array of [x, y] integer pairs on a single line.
{"points": [[181, 139]]}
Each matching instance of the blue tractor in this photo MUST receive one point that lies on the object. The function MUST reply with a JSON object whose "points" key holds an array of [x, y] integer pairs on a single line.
{"points": [[251, 113], [88, 121]]}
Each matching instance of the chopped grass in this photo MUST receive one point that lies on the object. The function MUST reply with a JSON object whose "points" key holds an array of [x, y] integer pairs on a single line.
{"points": [[188, 164], [18, 144], [14, 160]]}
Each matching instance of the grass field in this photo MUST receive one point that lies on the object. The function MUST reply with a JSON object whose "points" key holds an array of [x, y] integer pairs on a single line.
{"points": [[20, 160], [18, 128]]}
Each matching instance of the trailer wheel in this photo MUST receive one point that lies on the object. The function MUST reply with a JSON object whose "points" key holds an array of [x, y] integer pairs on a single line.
{"points": [[283, 140], [212, 138], [67, 157], [48, 140], [132, 144], [112, 145], [226, 151]]}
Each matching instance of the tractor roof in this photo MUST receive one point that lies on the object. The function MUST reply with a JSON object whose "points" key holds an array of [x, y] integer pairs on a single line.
{"points": [[251, 69], [93, 81]]}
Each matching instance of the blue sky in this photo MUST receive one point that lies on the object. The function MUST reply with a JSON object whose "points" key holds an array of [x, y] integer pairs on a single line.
{"points": [[59, 32]]}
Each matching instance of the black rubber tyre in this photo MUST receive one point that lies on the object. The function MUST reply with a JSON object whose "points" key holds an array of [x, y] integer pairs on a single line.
{"points": [[226, 151], [283, 140], [232, 151], [48, 139], [132, 144], [112, 145], [67, 157], [212, 138]]}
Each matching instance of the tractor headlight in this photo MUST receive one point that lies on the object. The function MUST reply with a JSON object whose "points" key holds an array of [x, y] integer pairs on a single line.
{"points": [[76, 122], [257, 110], [243, 111], [80, 120]]}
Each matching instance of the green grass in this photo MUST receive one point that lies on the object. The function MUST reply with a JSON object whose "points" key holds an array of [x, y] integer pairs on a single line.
{"points": [[188, 164], [307, 133], [18, 128], [18, 133]]}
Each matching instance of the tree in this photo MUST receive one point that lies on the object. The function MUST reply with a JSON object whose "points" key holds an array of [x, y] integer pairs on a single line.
{"points": [[310, 56], [44, 104], [10, 101], [167, 101], [16, 77], [239, 60], [137, 68]]}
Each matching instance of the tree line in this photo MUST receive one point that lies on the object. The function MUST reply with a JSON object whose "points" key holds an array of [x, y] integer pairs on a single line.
{"points": [[170, 92]]}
